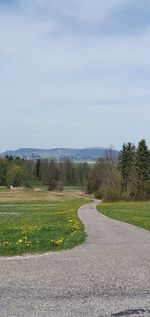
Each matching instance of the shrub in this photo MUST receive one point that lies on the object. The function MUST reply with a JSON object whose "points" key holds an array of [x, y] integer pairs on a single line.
{"points": [[59, 186], [111, 193], [143, 191], [98, 195]]}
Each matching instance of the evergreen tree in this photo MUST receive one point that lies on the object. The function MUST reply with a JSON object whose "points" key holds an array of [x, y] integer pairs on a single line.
{"points": [[3, 171], [126, 164], [38, 169], [143, 162]]}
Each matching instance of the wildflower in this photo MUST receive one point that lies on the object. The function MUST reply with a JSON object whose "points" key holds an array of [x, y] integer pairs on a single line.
{"points": [[20, 241], [28, 243], [59, 242]]}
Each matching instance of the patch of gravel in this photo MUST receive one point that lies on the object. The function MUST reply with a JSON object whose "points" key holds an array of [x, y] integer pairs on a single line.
{"points": [[109, 275]]}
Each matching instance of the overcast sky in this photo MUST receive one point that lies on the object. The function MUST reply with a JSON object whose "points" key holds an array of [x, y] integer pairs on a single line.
{"points": [[74, 73]]}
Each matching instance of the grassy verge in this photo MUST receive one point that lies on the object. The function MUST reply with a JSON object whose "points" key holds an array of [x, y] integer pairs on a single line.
{"points": [[29, 223], [135, 213]]}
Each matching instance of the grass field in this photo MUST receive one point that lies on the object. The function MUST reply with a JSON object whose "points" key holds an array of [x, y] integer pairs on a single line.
{"points": [[37, 194], [135, 213], [36, 221]]}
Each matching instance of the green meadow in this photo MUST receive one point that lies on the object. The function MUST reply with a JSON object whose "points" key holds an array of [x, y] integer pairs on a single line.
{"points": [[35, 225], [135, 213]]}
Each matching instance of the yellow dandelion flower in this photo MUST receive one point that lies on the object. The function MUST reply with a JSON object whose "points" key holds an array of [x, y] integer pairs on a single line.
{"points": [[20, 241]]}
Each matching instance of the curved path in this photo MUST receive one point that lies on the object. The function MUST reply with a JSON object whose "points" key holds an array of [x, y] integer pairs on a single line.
{"points": [[109, 275]]}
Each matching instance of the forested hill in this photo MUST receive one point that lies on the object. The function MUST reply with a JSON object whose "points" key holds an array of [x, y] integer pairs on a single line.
{"points": [[86, 154]]}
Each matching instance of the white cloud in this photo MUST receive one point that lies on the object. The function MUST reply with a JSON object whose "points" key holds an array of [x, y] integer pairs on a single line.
{"points": [[47, 72], [90, 11], [86, 10]]}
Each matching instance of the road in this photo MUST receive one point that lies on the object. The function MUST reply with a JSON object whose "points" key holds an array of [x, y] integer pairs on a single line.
{"points": [[109, 275]]}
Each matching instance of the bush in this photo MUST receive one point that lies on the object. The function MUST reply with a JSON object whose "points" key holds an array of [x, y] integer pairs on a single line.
{"points": [[59, 186], [51, 185], [111, 194], [143, 191], [98, 195], [28, 184]]}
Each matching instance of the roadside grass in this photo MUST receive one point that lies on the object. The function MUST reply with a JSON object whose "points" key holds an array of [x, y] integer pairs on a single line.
{"points": [[38, 225], [135, 213]]}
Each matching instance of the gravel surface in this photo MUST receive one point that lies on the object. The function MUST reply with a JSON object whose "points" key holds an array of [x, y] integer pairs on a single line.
{"points": [[109, 275]]}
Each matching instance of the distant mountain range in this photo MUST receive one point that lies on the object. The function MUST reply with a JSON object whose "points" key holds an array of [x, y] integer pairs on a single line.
{"points": [[86, 154]]}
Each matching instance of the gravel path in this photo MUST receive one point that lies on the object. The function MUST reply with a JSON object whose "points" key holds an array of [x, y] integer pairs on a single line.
{"points": [[109, 275]]}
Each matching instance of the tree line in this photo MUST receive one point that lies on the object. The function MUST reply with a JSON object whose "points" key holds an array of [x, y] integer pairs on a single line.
{"points": [[125, 178], [26, 172]]}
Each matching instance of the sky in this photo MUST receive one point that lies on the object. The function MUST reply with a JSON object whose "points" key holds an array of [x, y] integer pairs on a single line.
{"points": [[74, 73]]}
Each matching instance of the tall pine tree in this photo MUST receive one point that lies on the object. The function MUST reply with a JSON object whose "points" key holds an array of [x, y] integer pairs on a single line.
{"points": [[126, 165], [142, 162]]}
